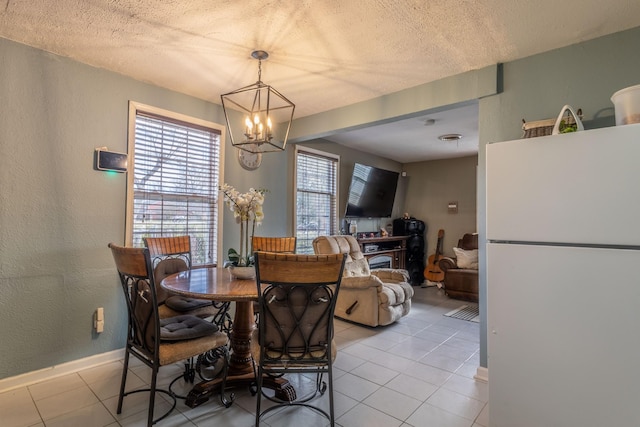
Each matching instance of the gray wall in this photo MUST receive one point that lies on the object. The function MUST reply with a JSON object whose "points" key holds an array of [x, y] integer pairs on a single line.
{"points": [[430, 187], [57, 214], [583, 75]]}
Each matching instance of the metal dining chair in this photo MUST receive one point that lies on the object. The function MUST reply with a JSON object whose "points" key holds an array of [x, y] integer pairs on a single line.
{"points": [[159, 342], [296, 296], [284, 245], [170, 255]]}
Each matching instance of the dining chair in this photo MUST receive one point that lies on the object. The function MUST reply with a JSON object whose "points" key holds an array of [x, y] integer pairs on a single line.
{"points": [[170, 255], [296, 296], [286, 245], [159, 342]]}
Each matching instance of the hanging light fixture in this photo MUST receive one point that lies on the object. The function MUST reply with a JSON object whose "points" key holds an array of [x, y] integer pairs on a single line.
{"points": [[265, 114]]}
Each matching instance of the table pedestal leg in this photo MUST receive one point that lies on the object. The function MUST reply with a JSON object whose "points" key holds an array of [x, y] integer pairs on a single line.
{"points": [[240, 364]]}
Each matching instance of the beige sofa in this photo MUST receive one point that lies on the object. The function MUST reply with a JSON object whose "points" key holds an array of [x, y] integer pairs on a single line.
{"points": [[370, 297]]}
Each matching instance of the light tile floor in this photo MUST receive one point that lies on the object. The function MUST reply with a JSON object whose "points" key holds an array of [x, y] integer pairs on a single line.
{"points": [[416, 372]]}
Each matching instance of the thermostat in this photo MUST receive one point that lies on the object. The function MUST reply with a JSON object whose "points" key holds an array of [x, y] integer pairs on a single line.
{"points": [[110, 161]]}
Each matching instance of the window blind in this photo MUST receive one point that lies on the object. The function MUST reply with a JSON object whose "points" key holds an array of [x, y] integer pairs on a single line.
{"points": [[176, 180], [316, 198]]}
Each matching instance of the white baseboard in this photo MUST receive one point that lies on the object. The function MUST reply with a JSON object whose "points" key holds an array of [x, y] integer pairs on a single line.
{"points": [[51, 372], [482, 374]]}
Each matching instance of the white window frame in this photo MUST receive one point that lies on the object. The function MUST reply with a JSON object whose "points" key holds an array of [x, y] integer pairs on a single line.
{"points": [[134, 108], [336, 213]]}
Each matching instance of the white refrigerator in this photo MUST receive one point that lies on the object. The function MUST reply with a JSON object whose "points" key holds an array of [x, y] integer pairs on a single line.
{"points": [[563, 280]]}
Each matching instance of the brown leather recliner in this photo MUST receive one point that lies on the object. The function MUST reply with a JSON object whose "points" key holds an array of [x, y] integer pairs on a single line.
{"points": [[461, 283]]}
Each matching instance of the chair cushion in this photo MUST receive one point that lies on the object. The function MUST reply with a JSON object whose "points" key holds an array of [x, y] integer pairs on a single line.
{"points": [[174, 351], [183, 304], [165, 268], [185, 327]]}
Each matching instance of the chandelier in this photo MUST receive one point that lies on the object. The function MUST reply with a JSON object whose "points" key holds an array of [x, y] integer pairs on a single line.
{"points": [[265, 114]]}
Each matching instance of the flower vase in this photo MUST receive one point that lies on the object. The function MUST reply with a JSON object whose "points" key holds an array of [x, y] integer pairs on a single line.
{"points": [[243, 272]]}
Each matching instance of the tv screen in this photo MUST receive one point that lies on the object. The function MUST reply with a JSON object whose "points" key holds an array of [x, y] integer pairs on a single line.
{"points": [[372, 192]]}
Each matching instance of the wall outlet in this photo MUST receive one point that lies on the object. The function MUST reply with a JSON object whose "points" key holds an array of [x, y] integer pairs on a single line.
{"points": [[98, 320]]}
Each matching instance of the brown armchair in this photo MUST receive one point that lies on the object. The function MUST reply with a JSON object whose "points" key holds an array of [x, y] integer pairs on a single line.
{"points": [[461, 283]]}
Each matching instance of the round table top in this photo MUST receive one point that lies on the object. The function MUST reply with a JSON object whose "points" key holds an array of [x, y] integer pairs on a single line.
{"points": [[211, 283]]}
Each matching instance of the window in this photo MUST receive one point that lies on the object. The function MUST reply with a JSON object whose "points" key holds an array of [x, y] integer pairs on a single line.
{"points": [[316, 197], [173, 182]]}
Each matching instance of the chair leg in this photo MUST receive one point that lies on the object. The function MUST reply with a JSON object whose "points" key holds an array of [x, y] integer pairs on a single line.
{"points": [[330, 380], [258, 375], [227, 402], [152, 395], [123, 381], [152, 391]]}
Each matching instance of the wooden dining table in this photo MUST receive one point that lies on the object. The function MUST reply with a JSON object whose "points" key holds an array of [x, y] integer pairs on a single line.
{"points": [[217, 284]]}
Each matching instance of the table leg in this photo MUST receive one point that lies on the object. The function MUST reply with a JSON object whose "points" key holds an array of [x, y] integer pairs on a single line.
{"points": [[240, 365]]}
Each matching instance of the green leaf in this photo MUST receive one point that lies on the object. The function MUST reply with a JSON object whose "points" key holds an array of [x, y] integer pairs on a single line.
{"points": [[233, 256]]}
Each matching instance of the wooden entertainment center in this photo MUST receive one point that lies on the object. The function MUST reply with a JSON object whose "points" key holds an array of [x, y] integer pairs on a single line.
{"points": [[377, 250]]}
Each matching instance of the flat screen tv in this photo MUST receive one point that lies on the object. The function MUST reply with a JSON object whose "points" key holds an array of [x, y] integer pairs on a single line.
{"points": [[371, 193]]}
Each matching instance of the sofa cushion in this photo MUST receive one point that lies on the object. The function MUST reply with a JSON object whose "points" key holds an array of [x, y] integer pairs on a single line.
{"points": [[356, 264], [357, 268], [395, 293], [466, 258]]}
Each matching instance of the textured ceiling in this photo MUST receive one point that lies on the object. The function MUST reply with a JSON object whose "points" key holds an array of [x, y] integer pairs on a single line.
{"points": [[324, 54]]}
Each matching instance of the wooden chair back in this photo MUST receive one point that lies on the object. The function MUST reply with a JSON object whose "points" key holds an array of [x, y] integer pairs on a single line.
{"points": [[274, 244], [178, 247]]}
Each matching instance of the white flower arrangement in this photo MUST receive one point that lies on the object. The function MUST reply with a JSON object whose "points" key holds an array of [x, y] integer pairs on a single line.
{"points": [[245, 207]]}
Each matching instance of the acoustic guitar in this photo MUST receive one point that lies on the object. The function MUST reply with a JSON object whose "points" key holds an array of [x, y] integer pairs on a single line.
{"points": [[433, 272]]}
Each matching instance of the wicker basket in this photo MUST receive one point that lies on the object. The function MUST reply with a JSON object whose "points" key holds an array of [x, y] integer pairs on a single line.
{"points": [[545, 127]]}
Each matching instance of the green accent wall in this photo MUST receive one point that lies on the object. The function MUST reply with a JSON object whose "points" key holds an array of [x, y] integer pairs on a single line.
{"points": [[57, 214]]}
